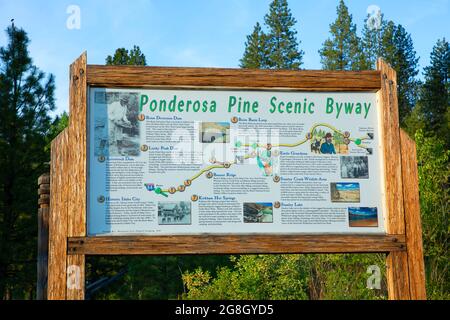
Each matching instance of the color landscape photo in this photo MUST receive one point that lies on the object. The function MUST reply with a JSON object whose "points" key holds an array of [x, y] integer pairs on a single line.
{"points": [[345, 192], [363, 217]]}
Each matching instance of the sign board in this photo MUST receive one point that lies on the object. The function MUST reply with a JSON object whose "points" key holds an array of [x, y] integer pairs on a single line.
{"points": [[162, 161], [201, 161]]}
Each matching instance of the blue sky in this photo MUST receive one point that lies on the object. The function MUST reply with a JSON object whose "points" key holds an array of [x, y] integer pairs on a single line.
{"points": [[347, 186], [196, 32], [363, 210]]}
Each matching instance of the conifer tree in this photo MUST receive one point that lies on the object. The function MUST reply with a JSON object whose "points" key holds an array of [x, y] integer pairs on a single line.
{"points": [[137, 58], [342, 51], [282, 43], [435, 93], [26, 97], [255, 55], [122, 56], [398, 50]]}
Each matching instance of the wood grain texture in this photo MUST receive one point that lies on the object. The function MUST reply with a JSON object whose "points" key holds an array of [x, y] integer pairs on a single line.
{"points": [[42, 254], [44, 179], [77, 141], [58, 218], [397, 262], [413, 224], [76, 223], [240, 79], [390, 136], [234, 244], [397, 276]]}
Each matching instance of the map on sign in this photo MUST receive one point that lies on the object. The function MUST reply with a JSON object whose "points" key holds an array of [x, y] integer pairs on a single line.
{"points": [[196, 161]]}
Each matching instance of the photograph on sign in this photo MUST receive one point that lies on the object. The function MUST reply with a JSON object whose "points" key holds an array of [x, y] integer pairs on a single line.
{"points": [[165, 162]]}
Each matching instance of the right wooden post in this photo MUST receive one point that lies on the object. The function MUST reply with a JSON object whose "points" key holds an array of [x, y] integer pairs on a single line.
{"points": [[401, 194], [413, 226], [396, 262]]}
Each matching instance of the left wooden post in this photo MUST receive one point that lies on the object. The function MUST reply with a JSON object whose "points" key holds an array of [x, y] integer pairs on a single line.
{"points": [[76, 222], [57, 244], [67, 217]]}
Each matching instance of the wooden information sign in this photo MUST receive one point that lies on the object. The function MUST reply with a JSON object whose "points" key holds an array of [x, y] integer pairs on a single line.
{"points": [[333, 172]]}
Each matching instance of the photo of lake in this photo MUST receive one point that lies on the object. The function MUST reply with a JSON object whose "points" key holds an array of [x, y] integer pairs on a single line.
{"points": [[363, 217]]}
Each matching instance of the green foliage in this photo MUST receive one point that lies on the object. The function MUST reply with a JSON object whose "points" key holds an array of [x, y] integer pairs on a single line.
{"points": [[256, 52], [392, 43], [416, 120], [343, 51], [282, 37], [433, 165], [122, 56], [398, 51], [435, 93], [26, 97], [278, 48], [251, 277], [344, 276], [287, 277], [58, 124]]}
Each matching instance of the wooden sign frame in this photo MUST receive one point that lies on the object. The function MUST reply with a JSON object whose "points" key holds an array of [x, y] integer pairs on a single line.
{"points": [[68, 240]]}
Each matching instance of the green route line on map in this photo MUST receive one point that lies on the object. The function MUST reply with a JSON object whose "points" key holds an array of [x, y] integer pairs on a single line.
{"points": [[206, 170], [277, 145], [209, 168], [256, 145], [305, 140]]}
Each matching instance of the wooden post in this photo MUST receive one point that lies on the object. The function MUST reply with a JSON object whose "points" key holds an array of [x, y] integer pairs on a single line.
{"points": [[397, 262], [42, 255], [76, 223], [416, 268], [57, 245], [68, 197]]}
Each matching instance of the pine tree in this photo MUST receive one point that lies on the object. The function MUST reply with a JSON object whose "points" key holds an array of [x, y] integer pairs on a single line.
{"points": [[282, 44], [255, 55], [435, 93], [343, 50], [122, 57], [26, 97], [137, 58], [398, 50]]}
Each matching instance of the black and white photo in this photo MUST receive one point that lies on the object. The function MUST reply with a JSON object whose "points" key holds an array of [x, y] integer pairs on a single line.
{"points": [[354, 167], [117, 126], [174, 212]]}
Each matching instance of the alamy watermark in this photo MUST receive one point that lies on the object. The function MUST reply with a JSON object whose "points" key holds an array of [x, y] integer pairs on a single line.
{"points": [[374, 281], [74, 19], [374, 17], [73, 277]]}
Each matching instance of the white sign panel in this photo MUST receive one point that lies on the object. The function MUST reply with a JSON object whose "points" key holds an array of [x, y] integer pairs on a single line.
{"points": [[164, 162]]}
